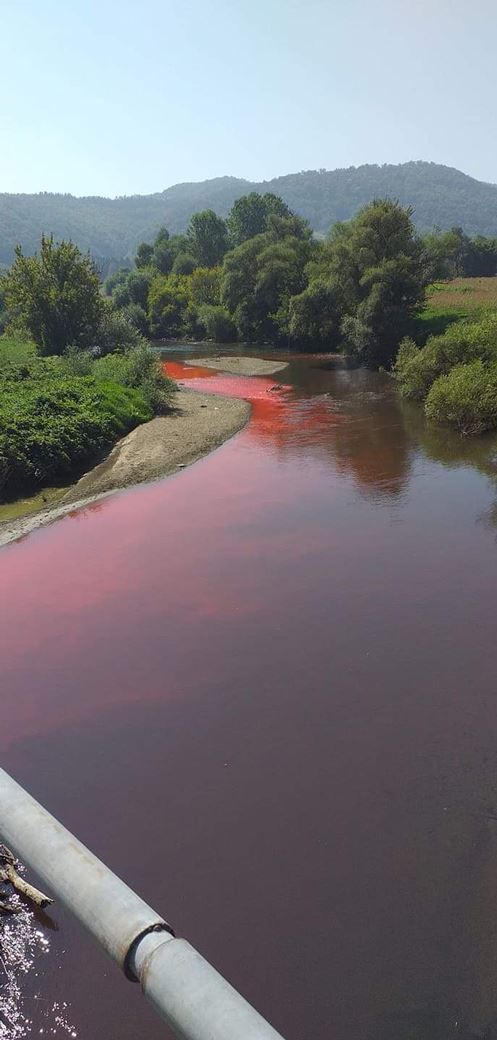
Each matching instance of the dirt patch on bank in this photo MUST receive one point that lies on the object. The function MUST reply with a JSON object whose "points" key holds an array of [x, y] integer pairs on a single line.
{"points": [[199, 423], [240, 366]]}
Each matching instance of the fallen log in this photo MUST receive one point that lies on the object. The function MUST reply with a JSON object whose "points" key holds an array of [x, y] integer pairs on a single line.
{"points": [[9, 874]]}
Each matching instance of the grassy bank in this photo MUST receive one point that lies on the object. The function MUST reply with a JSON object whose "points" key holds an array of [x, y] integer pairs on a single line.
{"points": [[454, 375], [449, 302], [59, 414]]}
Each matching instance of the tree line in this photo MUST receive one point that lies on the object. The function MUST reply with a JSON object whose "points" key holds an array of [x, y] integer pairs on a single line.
{"points": [[261, 276]]}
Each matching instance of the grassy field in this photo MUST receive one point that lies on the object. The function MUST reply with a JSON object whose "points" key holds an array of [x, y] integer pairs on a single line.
{"points": [[447, 302]]}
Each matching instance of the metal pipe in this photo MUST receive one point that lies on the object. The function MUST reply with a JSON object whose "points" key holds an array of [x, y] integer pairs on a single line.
{"points": [[186, 990], [196, 1001]]}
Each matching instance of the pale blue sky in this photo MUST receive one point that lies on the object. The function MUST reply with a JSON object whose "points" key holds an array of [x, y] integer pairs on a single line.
{"points": [[113, 98]]}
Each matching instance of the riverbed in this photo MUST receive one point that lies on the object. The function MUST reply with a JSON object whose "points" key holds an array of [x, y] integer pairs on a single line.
{"points": [[264, 691]]}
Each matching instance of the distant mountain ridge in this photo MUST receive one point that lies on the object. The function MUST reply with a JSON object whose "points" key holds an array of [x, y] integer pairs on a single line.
{"points": [[112, 228]]}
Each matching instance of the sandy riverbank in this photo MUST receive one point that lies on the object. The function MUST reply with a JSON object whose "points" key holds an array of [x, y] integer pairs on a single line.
{"points": [[240, 366], [199, 423]]}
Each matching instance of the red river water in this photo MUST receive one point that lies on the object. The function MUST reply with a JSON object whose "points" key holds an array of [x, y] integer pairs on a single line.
{"points": [[264, 692]]}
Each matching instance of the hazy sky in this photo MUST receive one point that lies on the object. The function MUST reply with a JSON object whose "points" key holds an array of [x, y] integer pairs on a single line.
{"points": [[114, 98]]}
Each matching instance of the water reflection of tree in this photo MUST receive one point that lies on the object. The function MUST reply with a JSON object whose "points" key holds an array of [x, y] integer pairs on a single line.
{"points": [[351, 418], [448, 448], [380, 432], [371, 443], [451, 450], [374, 448]]}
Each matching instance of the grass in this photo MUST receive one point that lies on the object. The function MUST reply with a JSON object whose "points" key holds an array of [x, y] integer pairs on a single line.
{"points": [[448, 302], [467, 294]]}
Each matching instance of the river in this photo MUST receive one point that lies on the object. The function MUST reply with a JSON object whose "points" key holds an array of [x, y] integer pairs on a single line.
{"points": [[264, 692]]}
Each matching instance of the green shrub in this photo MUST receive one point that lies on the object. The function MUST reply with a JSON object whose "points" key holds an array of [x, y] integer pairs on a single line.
{"points": [[465, 398], [138, 367], [50, 429], [137, 317], [19, 361], [417, 369], [115, 279], [205, 286], [4, 316], [217, 323], [168, 301], [141, 369], [77, 362], [58, 413], [184, 263], [116, 332], [192, 327], [313, 315]]}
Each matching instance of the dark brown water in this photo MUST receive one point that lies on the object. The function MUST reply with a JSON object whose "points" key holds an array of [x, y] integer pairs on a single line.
{"points": [[264, 691]]}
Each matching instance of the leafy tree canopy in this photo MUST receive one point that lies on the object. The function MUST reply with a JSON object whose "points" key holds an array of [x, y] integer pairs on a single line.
{"points": [[249, 215], [259, 278], [374, 267], [452, 253], [55, 296], [144, 254], [207, 238]]}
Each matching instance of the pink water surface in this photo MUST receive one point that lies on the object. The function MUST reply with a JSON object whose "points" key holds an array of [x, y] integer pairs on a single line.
{"points": [[264, 691]]}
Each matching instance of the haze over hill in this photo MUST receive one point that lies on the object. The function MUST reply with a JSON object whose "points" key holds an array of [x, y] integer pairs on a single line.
{"points": [[112, 228]]}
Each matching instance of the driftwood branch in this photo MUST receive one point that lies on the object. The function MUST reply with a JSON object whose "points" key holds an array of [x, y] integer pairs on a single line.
{"points": [[9, 873]]}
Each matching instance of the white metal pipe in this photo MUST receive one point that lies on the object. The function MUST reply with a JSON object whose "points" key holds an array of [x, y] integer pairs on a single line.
{"points": [[189, 993], [196, 1001]]}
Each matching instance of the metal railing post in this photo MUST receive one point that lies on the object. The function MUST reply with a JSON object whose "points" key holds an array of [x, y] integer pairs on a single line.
{"points": [[197, 1002]]}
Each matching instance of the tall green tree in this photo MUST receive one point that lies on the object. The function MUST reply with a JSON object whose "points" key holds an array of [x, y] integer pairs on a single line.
{"points": [[144, 255], [162, 255], [168, 302], [184, 263], [249, 215], [259, 278], [314, 317], [452, 253], [55, 295], [374, 266], [205, 286], [207, 237]]}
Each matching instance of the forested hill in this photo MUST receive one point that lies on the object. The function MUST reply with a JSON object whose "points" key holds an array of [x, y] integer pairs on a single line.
{"points": [[111, 228]]}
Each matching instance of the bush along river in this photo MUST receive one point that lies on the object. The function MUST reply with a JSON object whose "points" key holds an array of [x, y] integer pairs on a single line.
{"points": [[264, 691]]}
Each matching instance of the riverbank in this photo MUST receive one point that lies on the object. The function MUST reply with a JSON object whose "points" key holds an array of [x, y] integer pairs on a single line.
{"points": [[199, 423]]}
